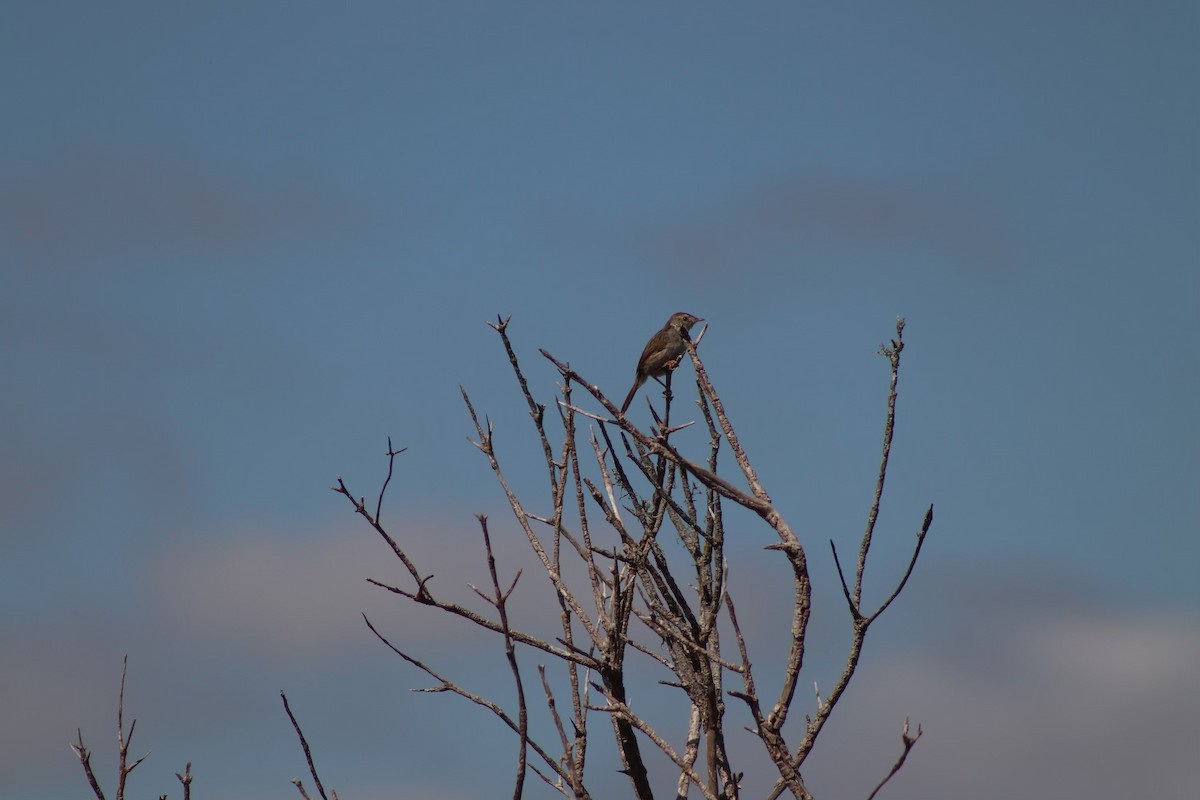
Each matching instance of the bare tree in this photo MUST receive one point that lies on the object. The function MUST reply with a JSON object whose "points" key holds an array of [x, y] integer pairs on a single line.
{"points": [[646, 600]]}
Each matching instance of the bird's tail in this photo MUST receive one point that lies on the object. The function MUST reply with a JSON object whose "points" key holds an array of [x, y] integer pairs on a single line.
{"points": [[629, 397]]}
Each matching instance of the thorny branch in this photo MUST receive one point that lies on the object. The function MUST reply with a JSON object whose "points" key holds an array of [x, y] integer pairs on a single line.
{"points": [[124, 741]]}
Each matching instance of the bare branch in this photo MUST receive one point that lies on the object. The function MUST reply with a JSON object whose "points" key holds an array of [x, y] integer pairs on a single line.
{"points": [[447, 685], [854, 599], [909, 741], [312, 768], [620, 709], [690, 752], [893, 355], [571, 755], [573, 654], [537, 411], [912, 562], [391, 454], [186, 780], [85, 758], [361, 509], [735, 445], [500, 601], [485, 445], [854, 612], [124, 742]]}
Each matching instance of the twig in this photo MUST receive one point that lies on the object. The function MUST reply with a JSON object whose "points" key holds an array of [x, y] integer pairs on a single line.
{"points": [[854, 612], [447, 685], [735, 444], [620, 709], [569, 755], [485, 446], [499, 599], [893, 355], [124, 741], [391, 453], [909, 741], [186, 780], [912, 562], [307, 752], [85, 758], [536, 410], [360, 507]]}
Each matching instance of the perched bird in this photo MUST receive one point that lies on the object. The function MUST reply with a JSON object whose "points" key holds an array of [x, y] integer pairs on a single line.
{"points": [[663, 352]]}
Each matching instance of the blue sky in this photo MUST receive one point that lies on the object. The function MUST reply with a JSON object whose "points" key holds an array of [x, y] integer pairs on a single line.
{"points": [[244, 243]]}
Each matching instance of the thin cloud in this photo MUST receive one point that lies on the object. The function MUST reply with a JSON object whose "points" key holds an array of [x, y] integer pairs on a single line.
{"points": [[1023, 683], [104, 203], [46, 451], [1069, 702], [273, 592], [280, 594], [813, 211]]}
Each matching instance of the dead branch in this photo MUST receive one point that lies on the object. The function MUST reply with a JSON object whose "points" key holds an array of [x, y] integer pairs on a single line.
{"points": [[499, 600], [909, 741], [124, 742], [312, 768]]}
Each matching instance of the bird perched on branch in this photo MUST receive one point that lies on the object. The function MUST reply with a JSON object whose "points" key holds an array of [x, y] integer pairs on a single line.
{"points": [[663, 352]]}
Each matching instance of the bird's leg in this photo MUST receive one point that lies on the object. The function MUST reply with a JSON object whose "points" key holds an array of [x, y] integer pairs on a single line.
{"points": [[666, 384], [668, 368]]}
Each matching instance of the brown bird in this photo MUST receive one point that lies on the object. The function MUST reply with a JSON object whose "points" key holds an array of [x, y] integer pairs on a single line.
{"points": [[663, 352]]}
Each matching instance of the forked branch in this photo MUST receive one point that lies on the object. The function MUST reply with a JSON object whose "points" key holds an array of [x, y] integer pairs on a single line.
{"points": [[124, 741]]}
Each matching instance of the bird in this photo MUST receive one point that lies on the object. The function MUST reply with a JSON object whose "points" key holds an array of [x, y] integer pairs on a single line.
{"points": [[663, 352]]}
